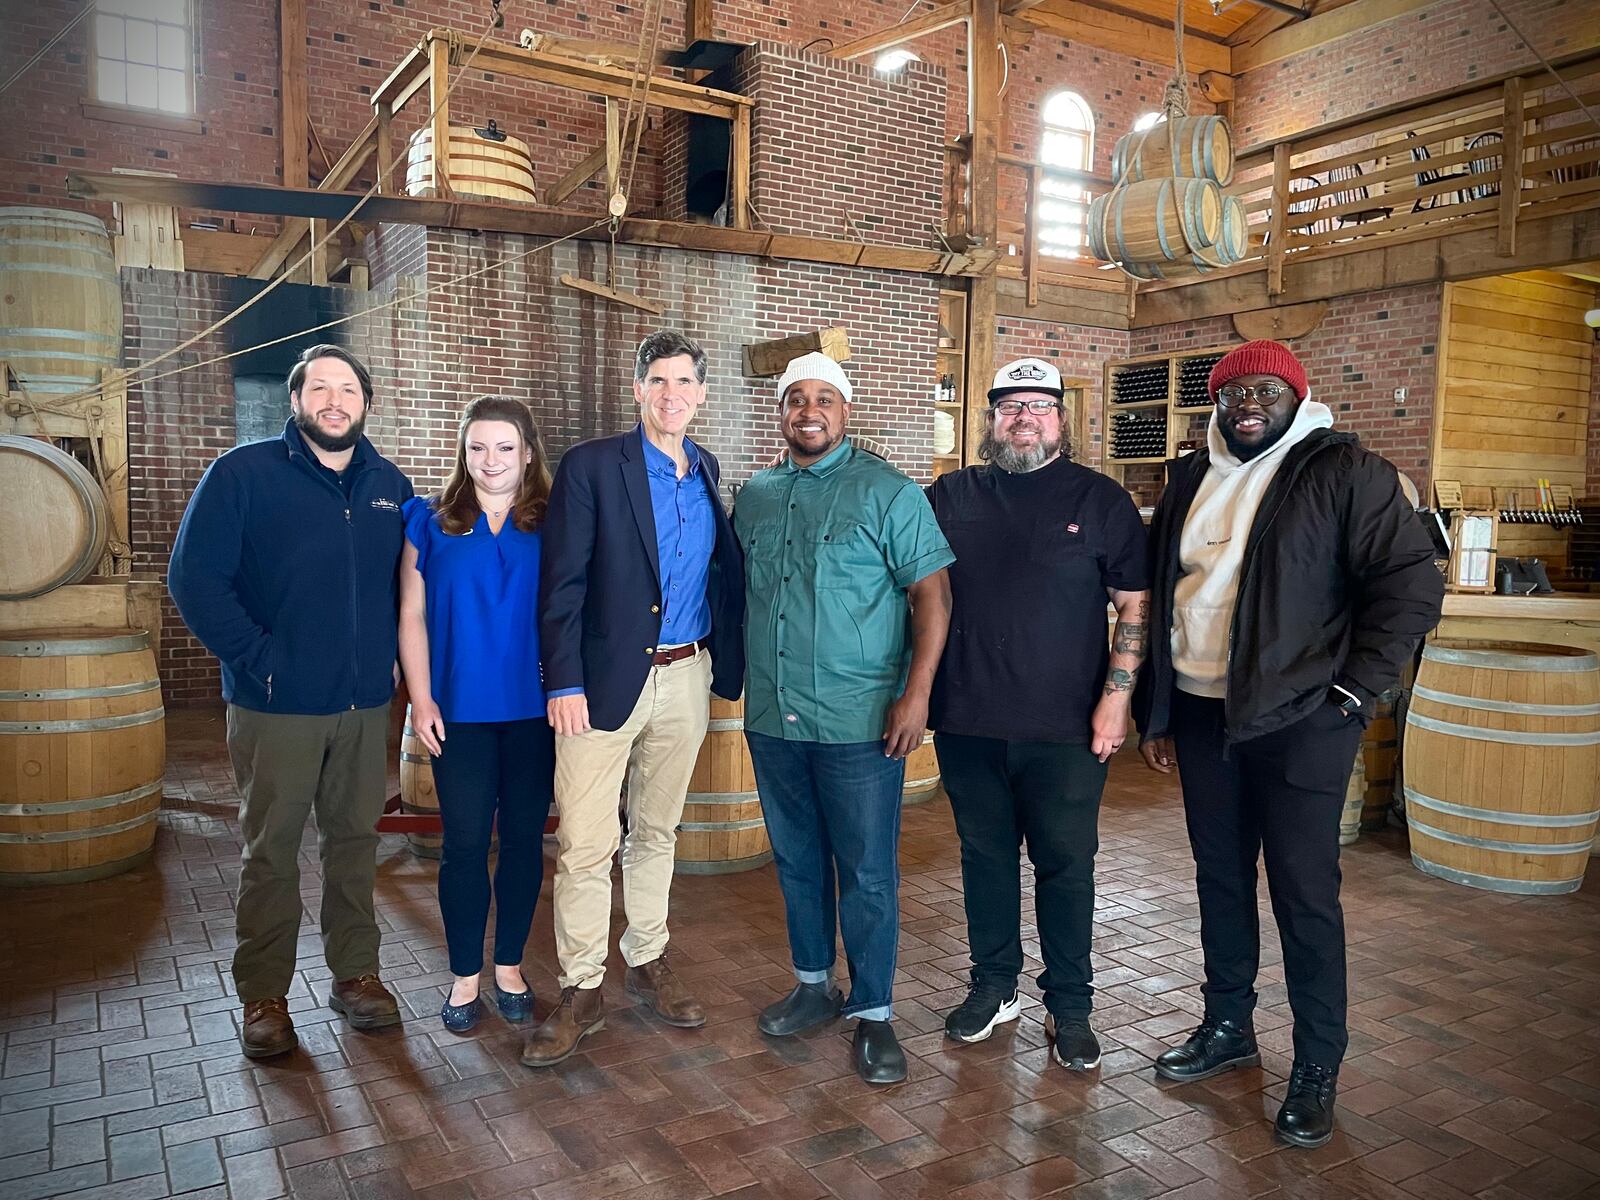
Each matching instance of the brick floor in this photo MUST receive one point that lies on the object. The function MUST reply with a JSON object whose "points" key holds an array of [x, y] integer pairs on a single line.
{"points": [[1474, 1064]]}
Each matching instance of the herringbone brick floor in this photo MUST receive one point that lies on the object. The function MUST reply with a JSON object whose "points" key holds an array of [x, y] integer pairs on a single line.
{"points": [[1474, 1064]]}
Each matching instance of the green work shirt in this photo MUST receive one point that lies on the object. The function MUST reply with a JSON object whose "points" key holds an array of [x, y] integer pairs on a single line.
{"points": [[829, 553]]}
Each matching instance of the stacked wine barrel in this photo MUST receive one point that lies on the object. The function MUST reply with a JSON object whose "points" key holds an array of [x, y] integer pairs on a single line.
{"points": [[1166, 214]]}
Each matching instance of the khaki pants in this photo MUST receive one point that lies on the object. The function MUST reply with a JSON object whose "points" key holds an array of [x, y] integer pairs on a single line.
{"points": [[286, 767], [655, 749]]}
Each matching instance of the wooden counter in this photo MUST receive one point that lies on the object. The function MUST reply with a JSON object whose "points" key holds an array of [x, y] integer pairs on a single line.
{"points": [[1566, 619]]}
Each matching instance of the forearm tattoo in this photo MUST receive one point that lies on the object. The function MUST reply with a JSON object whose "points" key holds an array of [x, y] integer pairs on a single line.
{"points": [[1120, 680], [1129, 643]]}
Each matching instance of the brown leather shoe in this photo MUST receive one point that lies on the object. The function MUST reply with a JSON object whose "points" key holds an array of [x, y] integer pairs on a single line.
{"points": [[365, 1002], [266, 1029], [666, 994], [576, 1015]]}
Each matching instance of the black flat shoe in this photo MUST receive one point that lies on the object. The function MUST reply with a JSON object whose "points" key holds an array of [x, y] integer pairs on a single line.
{"points": [[1215, 1047], [1306, 1118], [878, 1056], [808, 1006]]}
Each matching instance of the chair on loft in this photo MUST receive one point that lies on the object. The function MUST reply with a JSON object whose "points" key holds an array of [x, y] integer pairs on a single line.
{"points": [[1430, 175], [1350, 174], [1485, 167], [1303, 183]]}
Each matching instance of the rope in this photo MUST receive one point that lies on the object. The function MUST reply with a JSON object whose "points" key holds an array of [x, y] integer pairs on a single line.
{"points": [[1175, 97], [1545, 63], [88, 8]]}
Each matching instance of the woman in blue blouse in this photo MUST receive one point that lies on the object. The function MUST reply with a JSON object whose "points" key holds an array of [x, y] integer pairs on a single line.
{"points": [[469, 646]]}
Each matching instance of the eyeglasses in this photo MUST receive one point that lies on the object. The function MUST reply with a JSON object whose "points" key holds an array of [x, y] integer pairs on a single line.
{"points": [[1038, 407], [1267, 394]]}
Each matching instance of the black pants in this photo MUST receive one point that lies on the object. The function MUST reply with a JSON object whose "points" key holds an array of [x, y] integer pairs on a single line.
{"points": [[1047, 794], [505, 769], [1280, 794]]}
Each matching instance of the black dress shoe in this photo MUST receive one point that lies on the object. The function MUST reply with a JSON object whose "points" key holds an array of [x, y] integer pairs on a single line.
{"points": [[879, 1058], [809, 1005], [1215, 1047], [1306, 1118]]}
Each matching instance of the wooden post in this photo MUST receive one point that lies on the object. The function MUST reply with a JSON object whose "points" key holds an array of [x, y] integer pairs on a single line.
{"points": [[319, 253], [386, 185], [1510, 168], [613, 147], [983, 107], [740, 190], [1277, 226], [1030, 240], [438, 91], [292, 92], [697, 27]]}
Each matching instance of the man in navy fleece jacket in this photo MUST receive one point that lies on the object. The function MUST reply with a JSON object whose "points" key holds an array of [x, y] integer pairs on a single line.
{"points": [[285, 568]]}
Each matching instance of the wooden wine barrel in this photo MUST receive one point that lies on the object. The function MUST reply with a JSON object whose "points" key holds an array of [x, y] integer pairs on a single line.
{"points": [[922, 773], [722, 829], [1192, 147], [417, 793], [53, 520], [1159, 220], [495, 167], [1380, 748], [1232, 245], [1502, 765], [60, 300], [1354, 797], [82, 751]]}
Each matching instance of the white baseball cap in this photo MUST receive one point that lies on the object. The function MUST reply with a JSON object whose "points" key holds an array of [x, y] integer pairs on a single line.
{"points": [[1026, 375], [818, 366]]}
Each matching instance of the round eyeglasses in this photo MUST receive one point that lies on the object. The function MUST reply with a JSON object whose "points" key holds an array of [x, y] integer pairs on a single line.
{"points": [[1038, 407], [1234, 394]]}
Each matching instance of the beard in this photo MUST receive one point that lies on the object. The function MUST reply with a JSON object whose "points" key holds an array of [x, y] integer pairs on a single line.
{"points": [[1013, 461], [1245, 452], [333, 443]]}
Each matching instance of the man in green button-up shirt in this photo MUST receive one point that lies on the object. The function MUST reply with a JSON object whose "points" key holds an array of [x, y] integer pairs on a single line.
{"points": [[837, 545]]}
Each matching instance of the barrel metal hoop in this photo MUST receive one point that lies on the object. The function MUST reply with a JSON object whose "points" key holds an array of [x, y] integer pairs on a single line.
{"points": [[87, 725], [1513, 737], [420, 759], [1122, 243], [1496, 816], [1463, 839], [69, 647], [77, 835], [1199, 149], [66, 335], [59, 218], [86, 693], [1495, 660], [921, 783], [1161, 218], [71, 356], [91, 804], [57, 271], [722, 798], [719, 826], [1489, 883], [725, 725], [1505, 706]]}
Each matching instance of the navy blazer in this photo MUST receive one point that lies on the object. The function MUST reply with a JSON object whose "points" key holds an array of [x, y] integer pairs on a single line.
{"points": [[600, 582]]}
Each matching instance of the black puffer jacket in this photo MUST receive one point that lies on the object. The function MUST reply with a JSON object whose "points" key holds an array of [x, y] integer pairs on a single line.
{"points": [[1338, 586]]}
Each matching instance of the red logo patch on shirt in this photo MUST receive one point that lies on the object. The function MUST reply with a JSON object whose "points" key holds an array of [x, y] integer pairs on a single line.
{"points": [[1072, 527]]}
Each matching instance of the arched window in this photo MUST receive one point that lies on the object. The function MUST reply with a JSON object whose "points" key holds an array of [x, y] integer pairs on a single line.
{"points": [[1066, 145]]}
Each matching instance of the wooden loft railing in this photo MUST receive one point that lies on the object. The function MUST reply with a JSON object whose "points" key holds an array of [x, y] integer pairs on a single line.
{"points": [[1485, 158]]}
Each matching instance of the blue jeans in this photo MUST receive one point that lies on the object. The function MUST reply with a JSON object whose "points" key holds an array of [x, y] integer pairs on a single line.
{"points": [[833, 813]]}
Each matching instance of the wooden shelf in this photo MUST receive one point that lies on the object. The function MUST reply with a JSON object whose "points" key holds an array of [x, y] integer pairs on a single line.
{"points": [[1134, 462], [952, 352], [1136, 404], [1178, 418]]}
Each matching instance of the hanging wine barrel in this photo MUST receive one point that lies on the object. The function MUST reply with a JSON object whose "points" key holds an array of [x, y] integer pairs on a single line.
{"points": [[1187, 147], [1159, 220], [1502, 765], [1232, 245], [722, 829], [922, 773], [60, 300], [483, 162], [82, 751], [53, 520]]}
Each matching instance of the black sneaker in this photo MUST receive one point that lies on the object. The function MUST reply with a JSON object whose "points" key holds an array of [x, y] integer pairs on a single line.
{"points": [[984, 1008], [1306, 1118], [1215, 1047], [1073, 1043]]}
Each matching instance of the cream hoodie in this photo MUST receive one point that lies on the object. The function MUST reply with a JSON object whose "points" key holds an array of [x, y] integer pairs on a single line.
{"points": [[1211, 551]]}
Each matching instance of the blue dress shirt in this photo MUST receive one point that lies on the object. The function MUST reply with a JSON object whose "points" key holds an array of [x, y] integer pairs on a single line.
{"points": [[685, 534]]}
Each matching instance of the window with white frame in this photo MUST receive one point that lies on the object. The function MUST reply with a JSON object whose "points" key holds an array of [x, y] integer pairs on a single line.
{"points": [[143, 55], [1067, 144]]}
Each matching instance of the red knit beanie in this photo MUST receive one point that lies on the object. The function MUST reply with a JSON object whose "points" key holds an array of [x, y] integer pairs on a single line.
{"points": [[1259, 358]]}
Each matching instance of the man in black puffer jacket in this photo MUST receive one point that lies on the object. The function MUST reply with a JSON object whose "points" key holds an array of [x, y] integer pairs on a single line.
{"points": [[1290, 583]]}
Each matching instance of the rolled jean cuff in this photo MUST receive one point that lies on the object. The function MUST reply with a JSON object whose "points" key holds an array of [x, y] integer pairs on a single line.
{"points": [[880, 1012], [812, 977]]}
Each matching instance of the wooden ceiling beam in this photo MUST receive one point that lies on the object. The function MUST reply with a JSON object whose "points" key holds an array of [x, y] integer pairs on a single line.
{"points": [[1146, 39], [939, 18], [1330, 24]]}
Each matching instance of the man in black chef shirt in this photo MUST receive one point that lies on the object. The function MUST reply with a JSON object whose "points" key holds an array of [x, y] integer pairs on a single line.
{"points": [[1029, 701]]}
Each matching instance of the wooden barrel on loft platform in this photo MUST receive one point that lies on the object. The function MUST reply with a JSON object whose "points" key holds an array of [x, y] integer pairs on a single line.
{"points": [[1502, 765], [483, 162], [60, 300], [53, 519], [722, 829], [1159, 220], [417, 792], [82, 751], [1232, 245], [1193, 147], [922, 773]]}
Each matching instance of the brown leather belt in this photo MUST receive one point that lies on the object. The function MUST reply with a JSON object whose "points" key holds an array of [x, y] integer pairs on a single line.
{"points": [[688, 650]]}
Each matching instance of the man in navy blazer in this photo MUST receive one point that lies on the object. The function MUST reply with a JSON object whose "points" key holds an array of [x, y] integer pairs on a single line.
{"points": [[641, 604]]}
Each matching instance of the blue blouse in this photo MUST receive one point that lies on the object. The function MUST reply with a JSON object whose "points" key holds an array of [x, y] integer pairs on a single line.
{"points": [[482, 592]]}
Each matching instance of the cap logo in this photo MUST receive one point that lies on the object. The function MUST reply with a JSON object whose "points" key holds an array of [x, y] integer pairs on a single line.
{"points": [[1026, 371]]}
